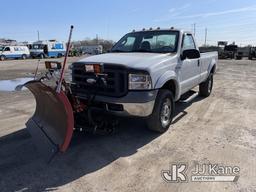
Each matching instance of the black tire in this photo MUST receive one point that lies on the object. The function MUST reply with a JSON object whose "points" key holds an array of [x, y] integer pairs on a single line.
{"points": [[24, 57], [2, 57], [205, 88], [59, 55], [42, 56], [162, 115]]}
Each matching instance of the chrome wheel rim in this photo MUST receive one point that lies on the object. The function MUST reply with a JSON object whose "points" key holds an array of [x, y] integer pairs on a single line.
{"points": [[166, 112]]}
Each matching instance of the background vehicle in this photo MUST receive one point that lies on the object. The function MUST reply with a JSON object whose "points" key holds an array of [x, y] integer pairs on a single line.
{"points": [[14, 52], [73, 52], [229, 52], [252, 53], [145, 73], [51, 48], [92, 49]]}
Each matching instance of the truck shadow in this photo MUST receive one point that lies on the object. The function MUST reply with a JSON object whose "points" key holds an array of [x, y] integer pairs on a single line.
{"points": [[21, 167], [180, 106]]}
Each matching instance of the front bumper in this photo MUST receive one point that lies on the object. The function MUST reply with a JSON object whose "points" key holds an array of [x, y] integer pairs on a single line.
{"points": [[135, 103], [138, 109]]}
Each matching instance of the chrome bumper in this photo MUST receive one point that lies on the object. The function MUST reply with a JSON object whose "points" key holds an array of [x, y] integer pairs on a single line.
{"points": [[138, 109], [135, 103]]}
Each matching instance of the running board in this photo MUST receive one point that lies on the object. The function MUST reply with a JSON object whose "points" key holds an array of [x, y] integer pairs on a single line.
{"points": [[188, 97]]}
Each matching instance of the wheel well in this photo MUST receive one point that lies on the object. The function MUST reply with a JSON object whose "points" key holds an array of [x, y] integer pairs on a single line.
{"points": [[213, 70], [170, 85]]}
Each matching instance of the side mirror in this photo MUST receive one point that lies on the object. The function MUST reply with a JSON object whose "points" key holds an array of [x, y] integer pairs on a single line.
{"points": [[190, 54]]}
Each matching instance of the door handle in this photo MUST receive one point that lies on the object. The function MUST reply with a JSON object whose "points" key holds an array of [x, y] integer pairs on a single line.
{"points": [[198, 62]]}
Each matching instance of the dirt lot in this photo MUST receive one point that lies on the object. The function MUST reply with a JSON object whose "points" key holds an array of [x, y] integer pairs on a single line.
{"points": [[219, 129]]}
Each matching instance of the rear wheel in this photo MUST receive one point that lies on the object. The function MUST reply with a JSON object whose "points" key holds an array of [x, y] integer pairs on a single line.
{"points": [[205, 88], [162, 114], [2, 57], [24, 57], [42, 56], [59, 55]]}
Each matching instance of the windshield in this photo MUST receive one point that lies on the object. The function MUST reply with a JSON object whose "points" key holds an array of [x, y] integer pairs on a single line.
{"points": [[37, 46], [1, 48], [148, 41]]}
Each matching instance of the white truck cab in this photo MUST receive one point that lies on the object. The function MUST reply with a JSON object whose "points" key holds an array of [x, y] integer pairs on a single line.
{"points": [[14, 52]]}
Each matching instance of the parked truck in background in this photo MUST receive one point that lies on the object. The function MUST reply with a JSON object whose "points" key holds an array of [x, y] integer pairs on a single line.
{"points": [[229, 52], [44, 49], [14, 52], [252, 53]]}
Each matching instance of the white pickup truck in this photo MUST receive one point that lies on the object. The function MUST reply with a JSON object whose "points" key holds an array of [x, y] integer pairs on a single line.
{"points": [[146, 72]]}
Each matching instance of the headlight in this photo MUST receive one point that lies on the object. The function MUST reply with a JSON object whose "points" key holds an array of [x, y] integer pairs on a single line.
{"points": [[139, 82]]}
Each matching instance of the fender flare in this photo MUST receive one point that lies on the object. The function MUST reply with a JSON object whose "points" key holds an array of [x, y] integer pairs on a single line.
{"points": [[212, 65], [164, 78]]}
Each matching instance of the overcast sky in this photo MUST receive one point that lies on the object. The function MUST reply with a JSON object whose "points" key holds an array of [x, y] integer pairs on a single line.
{"points": [[231, 20]]}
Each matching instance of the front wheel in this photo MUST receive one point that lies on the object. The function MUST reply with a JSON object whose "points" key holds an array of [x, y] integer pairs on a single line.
{"points": [[205, 88], [162, 114], [2, 57]]}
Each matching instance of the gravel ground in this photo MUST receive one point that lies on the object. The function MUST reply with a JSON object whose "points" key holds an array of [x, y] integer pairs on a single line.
{"points": [[218, 129]]}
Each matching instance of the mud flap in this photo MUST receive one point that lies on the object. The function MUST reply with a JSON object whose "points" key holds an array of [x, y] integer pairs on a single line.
{"points": [[51, 126]]}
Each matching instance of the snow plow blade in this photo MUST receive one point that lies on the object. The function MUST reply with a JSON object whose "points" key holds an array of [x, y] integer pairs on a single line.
{"points": [[51, 126]]}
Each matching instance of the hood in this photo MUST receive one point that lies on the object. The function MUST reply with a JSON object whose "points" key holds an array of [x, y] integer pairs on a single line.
{"points": [[131, 60]]}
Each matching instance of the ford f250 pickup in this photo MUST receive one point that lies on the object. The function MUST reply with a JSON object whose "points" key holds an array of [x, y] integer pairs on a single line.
{"points": [[148, 71], [143, 75]]}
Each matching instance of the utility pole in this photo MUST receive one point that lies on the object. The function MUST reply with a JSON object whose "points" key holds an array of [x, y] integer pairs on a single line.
{"points": [[97, 39], [38, 35], [194, 29], [205, 37]]}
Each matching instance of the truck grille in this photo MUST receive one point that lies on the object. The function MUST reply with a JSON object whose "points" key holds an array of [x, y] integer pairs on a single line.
{"points": [[116, 81]]}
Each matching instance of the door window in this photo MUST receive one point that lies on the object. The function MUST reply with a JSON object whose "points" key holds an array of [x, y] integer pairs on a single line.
{"points": [[127, 44], [7, 49], [188, 43]]}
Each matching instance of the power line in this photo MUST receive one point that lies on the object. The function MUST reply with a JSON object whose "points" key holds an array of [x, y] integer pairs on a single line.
{"points": [[38, 35], [205, 36], [194, 29]]}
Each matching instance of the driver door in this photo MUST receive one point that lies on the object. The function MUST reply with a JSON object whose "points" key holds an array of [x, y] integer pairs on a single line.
{"points": [[189, 68], [7, 52]]}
